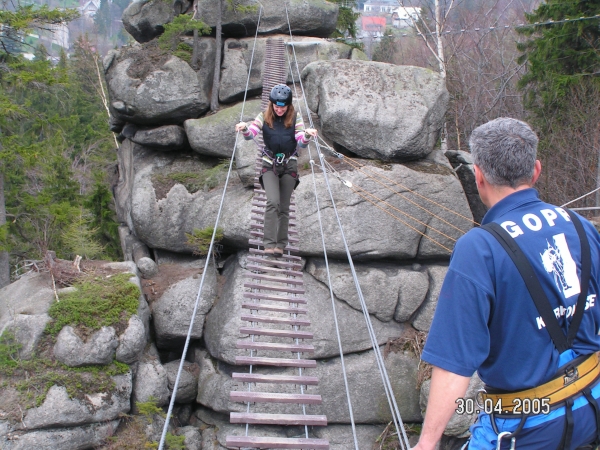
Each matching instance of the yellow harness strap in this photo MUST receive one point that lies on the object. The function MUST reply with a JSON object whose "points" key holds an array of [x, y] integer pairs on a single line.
{"points": [[551, 393]]}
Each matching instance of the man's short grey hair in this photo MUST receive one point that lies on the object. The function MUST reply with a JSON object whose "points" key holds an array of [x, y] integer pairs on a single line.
{"points": [[505, 150]]}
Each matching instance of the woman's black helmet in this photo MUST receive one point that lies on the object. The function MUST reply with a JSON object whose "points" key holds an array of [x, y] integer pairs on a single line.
{"points": [[281, 95]]}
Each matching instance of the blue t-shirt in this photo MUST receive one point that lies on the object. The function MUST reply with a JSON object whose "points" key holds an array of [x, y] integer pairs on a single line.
{"points": [[485, 318]]}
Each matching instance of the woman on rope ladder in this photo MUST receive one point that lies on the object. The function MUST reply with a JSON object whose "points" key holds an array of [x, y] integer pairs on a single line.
{"points": [[283, 133]]}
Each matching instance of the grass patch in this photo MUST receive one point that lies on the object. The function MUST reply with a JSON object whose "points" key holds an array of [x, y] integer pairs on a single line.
{"points": [[199, 240], [98, 302], [193, 181], [32, 379]]}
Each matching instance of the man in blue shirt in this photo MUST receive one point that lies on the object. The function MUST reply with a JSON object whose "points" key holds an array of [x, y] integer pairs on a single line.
{"points": [[487, 321]]}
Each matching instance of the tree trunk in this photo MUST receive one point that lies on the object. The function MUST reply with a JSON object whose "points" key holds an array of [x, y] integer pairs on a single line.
{"points": [[4, 263], [214, 98]]}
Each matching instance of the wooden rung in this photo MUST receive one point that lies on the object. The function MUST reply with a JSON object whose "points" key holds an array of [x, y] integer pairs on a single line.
{"points": [[269, 287], [273, 279], [285, 257], [275, 298], [275, 379], [275, 442], [266, 307], [294, 348], [277, 362], [278, 419], [276, 263], [257, 318], [259, 242], [282, 271], [277, 333], [274, 397]]}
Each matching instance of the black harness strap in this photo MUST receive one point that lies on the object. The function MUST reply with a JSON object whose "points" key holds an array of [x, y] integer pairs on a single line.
{"points": [[590, 398], [561, 341]]}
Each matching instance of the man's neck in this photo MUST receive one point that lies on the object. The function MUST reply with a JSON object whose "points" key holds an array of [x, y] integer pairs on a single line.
{"points": [[498, 193]]}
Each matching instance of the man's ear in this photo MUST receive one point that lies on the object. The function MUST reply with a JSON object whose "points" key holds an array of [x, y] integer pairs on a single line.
{"points": [[479, 178], [537, 170]]}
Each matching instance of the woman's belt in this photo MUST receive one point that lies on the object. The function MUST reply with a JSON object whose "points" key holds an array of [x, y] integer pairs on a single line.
{"points": [[540, 399]]}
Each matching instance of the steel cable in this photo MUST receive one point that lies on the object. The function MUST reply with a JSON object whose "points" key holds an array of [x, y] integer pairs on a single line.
{"points": [[209, 254]]}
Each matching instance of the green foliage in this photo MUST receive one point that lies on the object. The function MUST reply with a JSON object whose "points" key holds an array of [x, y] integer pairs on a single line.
{"points": [[19, 20], [193, 181], [180, 26], [346, 22], [234, 5], [98, 302], [102, 17], [199, 240], [559, 56], [78, 237], [149, 408], [9, 351], [175, 442], [55, 143]]}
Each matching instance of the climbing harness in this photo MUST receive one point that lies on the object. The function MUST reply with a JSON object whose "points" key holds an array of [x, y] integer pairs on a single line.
{"points": [[575, 378]]}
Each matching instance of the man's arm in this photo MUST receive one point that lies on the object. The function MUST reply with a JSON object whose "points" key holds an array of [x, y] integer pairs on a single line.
{"points": [[445, 388]]}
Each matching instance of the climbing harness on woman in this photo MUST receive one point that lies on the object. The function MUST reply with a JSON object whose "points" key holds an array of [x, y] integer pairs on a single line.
{"points": [[283, 134]]}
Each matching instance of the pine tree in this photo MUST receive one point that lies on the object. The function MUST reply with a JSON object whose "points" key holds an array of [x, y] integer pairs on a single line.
{"points": [[559, 55]]}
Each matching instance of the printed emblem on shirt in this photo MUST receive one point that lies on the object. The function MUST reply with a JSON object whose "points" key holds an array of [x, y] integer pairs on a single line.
{"points": [[559, 264]]}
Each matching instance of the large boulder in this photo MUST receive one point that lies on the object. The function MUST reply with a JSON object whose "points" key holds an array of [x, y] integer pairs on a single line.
{"points": [[224, 320], [187, 388], [314, 18], [239, 53], [60, 410], [81, 437], [98, 349], [151, 382], [382, 285], [160, 214], [369, 402], [407, 103], [168, 137], [27, 330], [132, 342], [149, 87], [145, 19], [31, 294], [214, 135], [424, 316], [172, 312]]}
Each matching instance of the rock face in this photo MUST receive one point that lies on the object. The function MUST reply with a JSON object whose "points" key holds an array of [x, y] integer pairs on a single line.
{"points": [[162, 222], [224, 320], [99, 349], [239, 53], [212, 136], [173, 310], [169, 137], [314, 18], [146, 88], [145, 20], [462, 162], [60, 410], [407, 104]]}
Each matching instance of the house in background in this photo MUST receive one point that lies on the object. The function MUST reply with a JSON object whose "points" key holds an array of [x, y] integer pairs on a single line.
{"points": [[373, 26], [380, 6], [88, 8], [404, 16]]}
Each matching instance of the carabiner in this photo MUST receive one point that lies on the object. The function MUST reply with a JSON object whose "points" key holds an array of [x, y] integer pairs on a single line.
{"points": [[513, 441], [279, 157]]}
